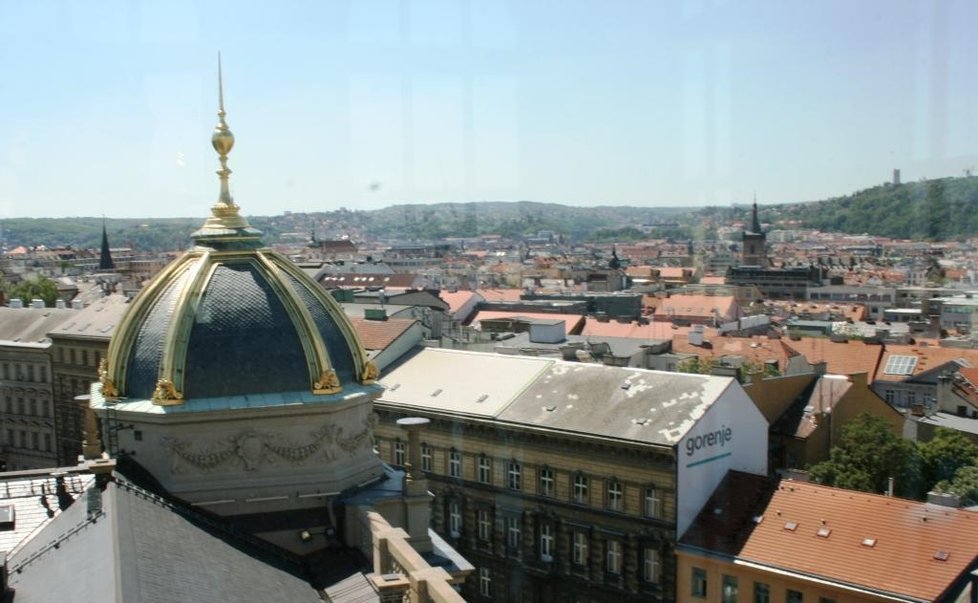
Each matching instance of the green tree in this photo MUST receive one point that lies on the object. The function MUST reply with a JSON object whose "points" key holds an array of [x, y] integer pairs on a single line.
{"points": [[964, 484], [867, 455], [29, 289], [943, 456]]}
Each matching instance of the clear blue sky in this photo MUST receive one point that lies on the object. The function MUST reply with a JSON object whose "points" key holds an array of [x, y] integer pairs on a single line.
{"points": [[106, 107]]}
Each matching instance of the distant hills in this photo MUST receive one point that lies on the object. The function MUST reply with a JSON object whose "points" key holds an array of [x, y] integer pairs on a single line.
{"points": [[933, 210]]}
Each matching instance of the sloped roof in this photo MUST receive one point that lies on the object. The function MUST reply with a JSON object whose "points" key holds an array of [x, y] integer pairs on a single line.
{"points": [[36, 498], [758, 349], [456, 299], [841, 358], [571, 321], [30, 325], [143, 549], [96, 321], [903, 561], [696, 305], [378, 334], [928, 358], [590, 399], [633, 330]]}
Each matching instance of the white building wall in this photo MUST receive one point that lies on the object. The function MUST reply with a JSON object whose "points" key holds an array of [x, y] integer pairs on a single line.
{"points": [[731, 434]]}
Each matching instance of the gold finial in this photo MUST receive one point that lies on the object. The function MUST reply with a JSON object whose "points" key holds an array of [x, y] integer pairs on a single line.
{"points": [[222, 140], [225, 226]]}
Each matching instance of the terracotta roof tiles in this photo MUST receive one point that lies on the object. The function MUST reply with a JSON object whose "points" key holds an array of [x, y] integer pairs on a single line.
{"points": [[918, 550]]}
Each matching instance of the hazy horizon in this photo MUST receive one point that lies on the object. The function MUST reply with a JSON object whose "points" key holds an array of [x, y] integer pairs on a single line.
{"points": [[109, 109]]}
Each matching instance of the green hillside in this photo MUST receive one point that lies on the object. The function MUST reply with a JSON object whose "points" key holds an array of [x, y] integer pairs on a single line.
{"points": [[930, 210]]}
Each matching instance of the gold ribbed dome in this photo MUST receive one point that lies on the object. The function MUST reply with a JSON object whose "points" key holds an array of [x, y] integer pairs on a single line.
{"points": [[232, 318]]}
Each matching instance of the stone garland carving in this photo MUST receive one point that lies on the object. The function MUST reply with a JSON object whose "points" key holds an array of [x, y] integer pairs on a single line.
{"points": [[253, 448]]}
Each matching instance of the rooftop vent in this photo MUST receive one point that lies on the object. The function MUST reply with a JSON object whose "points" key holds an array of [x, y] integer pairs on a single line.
{"points": [[870, 542], [16, 303], [482, 398], [7, 517], [436, 392], [791, 526], [394, 387], [941, 555], [823, 532], [37, 303]]}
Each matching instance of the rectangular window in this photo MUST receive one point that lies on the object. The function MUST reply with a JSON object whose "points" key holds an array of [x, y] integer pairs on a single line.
{"points": [[35, 440], [485, 465], [47, 442], [911, 397], [98, 358], [513, 533], [425, 457], [546, 482], [580, 548], [485, 582], [794, 596], [730, 589], [8, 404], [30, 372], [20, 405], [455, 464], [825, 600], [615, 496], [72, 352], [698, 586], [580, 488], [399, 453], [762, 592], [514, 476], [652, 502], [485, 526], [546, 542], [613, 557], [455, 519], [6, 371], [85, 357], [32, 406], [10, 438], [650, 565]]}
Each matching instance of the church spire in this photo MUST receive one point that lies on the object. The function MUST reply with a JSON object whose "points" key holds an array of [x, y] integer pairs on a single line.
{"points": [[105, 257], [225, 227]]}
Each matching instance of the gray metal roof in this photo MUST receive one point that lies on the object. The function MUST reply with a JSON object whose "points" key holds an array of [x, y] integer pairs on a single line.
{"points": [[96, 321], [30, 326], [142, 549], [622, 403], [34, 499]]}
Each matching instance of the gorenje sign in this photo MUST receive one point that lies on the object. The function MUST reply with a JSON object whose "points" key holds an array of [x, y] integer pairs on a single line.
{"points": [[711, 441]]}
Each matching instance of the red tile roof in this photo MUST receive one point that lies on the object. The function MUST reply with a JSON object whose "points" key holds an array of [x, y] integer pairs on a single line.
{"points": [[928, 357], [841, 358], [633, 330], [908, 536], [378, 334]]}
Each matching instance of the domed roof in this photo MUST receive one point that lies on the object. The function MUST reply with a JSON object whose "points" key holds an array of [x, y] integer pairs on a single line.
{"points": [[231, 318]]}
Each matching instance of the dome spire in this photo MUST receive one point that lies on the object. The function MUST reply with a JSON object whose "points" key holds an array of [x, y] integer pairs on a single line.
{"points": [[225, 225]]}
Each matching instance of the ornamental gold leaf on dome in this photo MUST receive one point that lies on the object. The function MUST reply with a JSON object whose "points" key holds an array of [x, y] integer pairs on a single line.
{"points": [[370, 373], [166, 393], [108, 386], [328, 383]]}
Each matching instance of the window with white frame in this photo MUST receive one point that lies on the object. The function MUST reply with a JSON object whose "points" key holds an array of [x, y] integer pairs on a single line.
{"points": [[613, 556], [514, 476], [455, 518], [580, 488], [425, 457], [485, 525], [580, 548], [615, 495], [485, 582], [546, 542], [513, 533], [653, 502], [485, 469], [399, 453], [650, 565], [455, 464], [546, 481]]}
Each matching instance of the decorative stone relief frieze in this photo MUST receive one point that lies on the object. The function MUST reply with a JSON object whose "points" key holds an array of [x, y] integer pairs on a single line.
{"points": [[252, 448]]}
